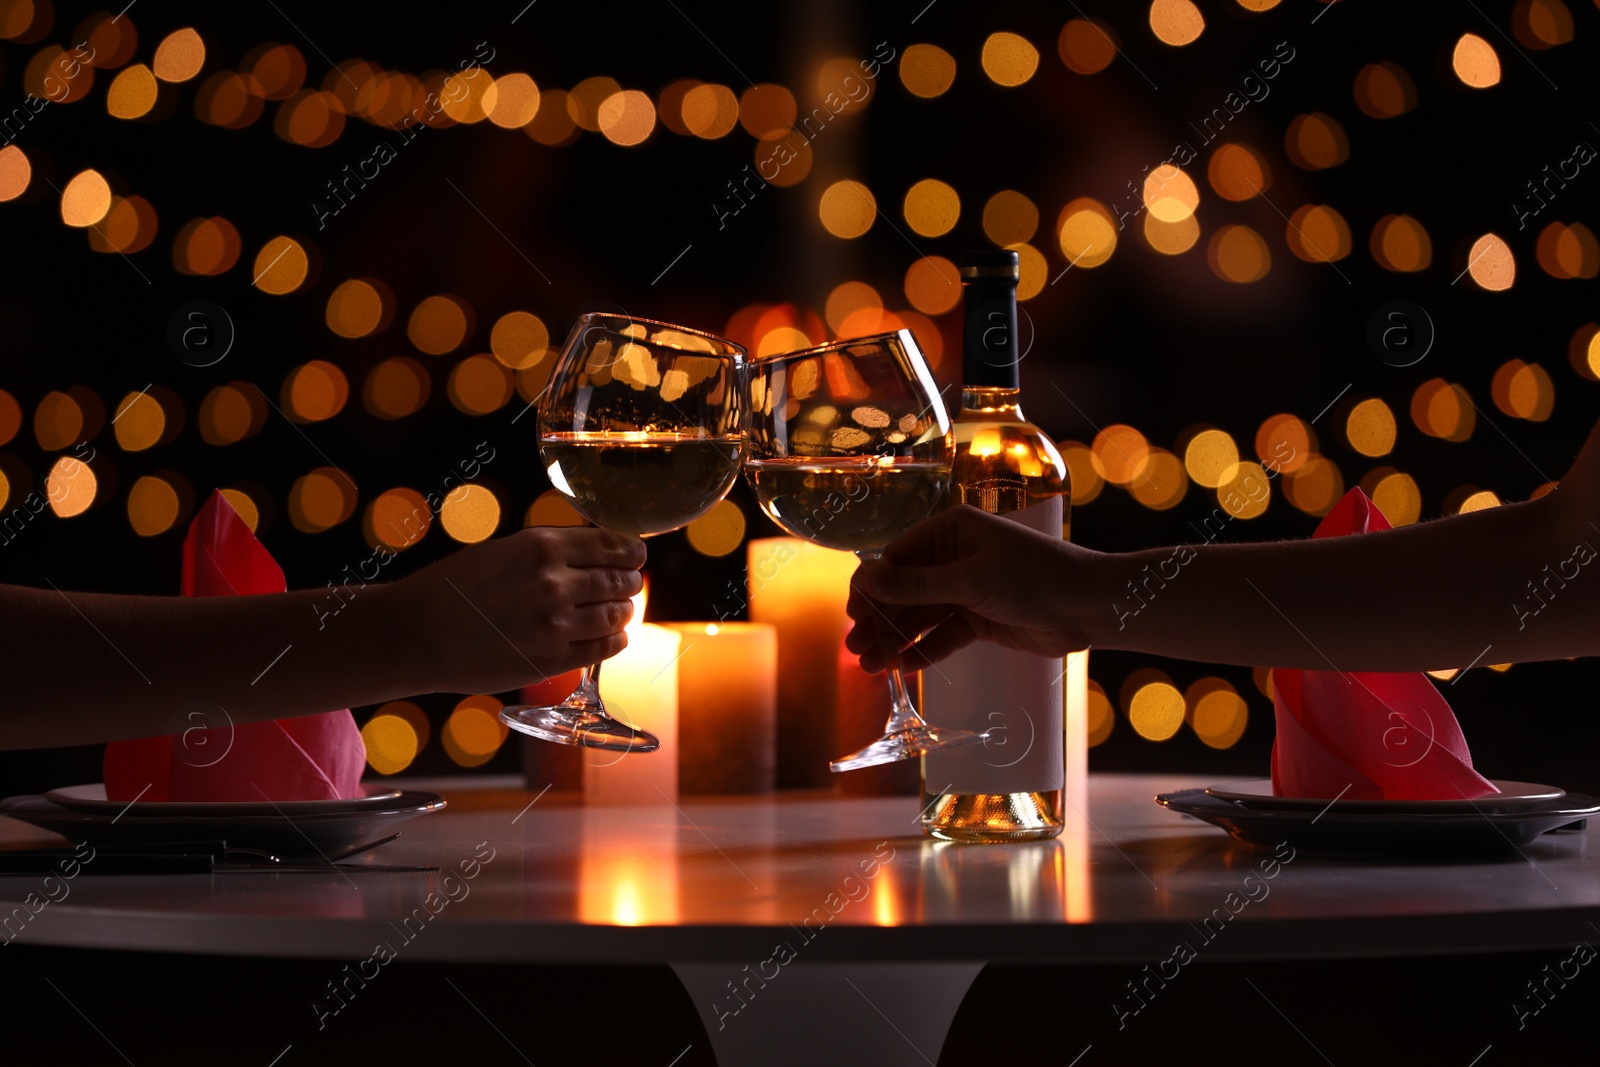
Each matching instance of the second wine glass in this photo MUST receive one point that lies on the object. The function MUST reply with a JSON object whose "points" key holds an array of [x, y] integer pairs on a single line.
{"points": [[850, 447], [642, 429]]}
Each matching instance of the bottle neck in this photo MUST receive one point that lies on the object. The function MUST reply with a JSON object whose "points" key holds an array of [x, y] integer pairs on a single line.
{"points": [[992, 402]]}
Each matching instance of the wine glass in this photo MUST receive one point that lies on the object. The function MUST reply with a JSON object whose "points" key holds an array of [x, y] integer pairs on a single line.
{"points": [[850, 447], [643, 430]]}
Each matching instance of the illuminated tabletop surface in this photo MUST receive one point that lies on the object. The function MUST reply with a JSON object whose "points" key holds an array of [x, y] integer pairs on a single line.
{"points": [[712, 884]]}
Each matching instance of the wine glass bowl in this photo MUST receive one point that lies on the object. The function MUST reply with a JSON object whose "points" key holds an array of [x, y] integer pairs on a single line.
{"points": [[642, 429], [850, 447]]}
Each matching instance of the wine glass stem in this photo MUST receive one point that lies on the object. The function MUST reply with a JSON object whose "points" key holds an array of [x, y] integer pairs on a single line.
{"points": [[588, 691], [902, 713]]}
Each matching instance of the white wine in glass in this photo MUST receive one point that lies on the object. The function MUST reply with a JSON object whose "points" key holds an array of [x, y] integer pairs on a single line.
{"points": [[850, 447], [643, 429]]}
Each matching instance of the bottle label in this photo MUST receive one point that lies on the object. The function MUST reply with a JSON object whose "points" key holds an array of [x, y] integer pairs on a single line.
{"points": [[1016, 696]]}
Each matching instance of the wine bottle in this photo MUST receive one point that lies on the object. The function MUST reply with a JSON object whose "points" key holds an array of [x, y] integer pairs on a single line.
{"points": [[1010, 788]]}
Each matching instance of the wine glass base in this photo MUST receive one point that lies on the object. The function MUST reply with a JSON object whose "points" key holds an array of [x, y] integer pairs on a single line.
{"points": [[909, 743], [568, 725]]}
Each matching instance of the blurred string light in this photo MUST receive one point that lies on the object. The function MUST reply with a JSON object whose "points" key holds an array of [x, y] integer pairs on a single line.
{"points": [[1176, 22], [1009, 59], [1086, 46], [1568, 251], [474, 733], [927, 70], [1384, 90], [1540, 24]]}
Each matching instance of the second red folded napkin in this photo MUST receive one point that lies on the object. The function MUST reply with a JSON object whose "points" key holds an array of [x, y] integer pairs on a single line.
{"points": [[310, 757], [1369, 736]]}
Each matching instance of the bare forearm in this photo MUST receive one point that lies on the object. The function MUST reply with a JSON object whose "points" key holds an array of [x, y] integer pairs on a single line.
{"points": [[1441, 594], [104, 667]]}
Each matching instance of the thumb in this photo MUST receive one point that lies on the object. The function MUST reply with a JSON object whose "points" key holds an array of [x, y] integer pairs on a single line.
{"points": [[946, 584]]}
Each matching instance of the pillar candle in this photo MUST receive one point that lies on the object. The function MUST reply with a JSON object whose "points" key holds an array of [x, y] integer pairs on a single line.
{"points": [[639, 686], [801, 589], [727, 707]]}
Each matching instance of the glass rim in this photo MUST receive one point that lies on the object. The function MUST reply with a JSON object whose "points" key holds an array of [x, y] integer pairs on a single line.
{"points": [[738, 349], [903, 335]]}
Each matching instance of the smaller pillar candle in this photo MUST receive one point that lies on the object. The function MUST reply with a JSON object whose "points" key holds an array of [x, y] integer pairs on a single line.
{"points": [[727, 707]]}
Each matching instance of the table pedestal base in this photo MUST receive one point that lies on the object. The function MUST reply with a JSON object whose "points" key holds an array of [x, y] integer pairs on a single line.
{"points": [[802, 1014]]}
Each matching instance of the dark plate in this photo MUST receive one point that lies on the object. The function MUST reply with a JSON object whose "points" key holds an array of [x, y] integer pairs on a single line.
{"points": [[1388, 834], [1513, 796], [300, 837]]}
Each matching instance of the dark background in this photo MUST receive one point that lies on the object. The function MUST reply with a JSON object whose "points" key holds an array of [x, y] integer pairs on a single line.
{"points": [[1155, 341]]}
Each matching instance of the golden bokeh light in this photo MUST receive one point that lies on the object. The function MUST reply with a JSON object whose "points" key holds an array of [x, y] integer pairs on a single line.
{"points": [[279, 71], [207, 246], [512, 101], [280, 266], [1568, 252], [931, 207], [16, 18], [1086, 232], [85, 200], [1475, 62], [784, 161], [321, 500], [552, 124], [669, 104], [1010, 218], [1087, 481], [1009, 59], [355, 309], [132, 93], [179, 56], [1170, 194], [1102, 716], [847, 209], [1245, 491], [1161, 483], [57, 421], [1086, 46], [1033, 271], [230, 413], [1523, 390], [314, 119], [553, 509], [1441, 409], [583, 102], [10, 417], [519, 339], [1315, 487], [1156, 711], [397, 519], [152, 506], [1384, 90], [1210, 456], [1541, 24], [470, 514], [465, 95], [1217, 713], [128, 227], [1481, 500], [1370, 428], [933, 285], [627, 118], [710, 111], [1317, 234], [229, 100], [479, 385], [927, 70], [1238, 172], [1176, 22], [1399, 243], [1171, 238], [1259, 5], [1398, 497], [474, 733], [1316, 142], [139, 422], [438, 325], [70, 487], [719, 531], [1284, 442], [847, 298], [15, 172], [1120, 453], [315, 391], [1583, 352], [767, 111], [1238, 254], [1491, 263], [243, 505], [391, 743], [57, 76]]}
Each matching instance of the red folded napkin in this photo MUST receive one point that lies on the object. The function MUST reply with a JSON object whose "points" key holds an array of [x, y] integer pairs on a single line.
{"points": [[310, 757], [1368, 736]]}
